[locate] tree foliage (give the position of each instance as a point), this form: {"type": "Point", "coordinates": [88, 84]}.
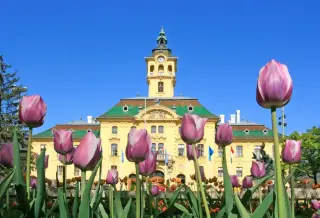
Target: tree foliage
{"type": "Point", "coordinates": [11, 93]}
{"type": "Point", "coordinates": [310, 161]}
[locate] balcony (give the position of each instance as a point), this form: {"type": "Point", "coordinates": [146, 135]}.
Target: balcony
{"type": "Point", "coordinates": [162, 157]}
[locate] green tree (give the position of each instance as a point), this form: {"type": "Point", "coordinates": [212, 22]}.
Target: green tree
{"type": "Point", "coordinates": [310, 160]}
{"type": "Point", "coordinates": [11, 93]}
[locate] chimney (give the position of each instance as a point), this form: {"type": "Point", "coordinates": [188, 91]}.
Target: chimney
{"type": "Point", "coordinates": [238, 116]}
{"type": "Point", "coordinates": [90, 119]}
{"type": "Point", "coordinates": [232, 118]}
{"type": "Point", "coordinates": [221, 118]}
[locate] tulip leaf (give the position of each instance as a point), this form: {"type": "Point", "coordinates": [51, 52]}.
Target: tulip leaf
{"type": "Point", "coordinates": [241, 209]}
{"type": "Point", "coordinates": [264, 206]}
{"type": "Point", "coordinates": [193, 201]}
{"type": "Point", "coordinates": [248, 194]}
{"type": "Point", "coordinates": [53, 208]}
{"type": "Point", "coordinates": [85, 209]}
{"type": "Point", "coordinates": [63, 208]}
{"type": "Point", "coordinates": [96, 193]}
{"type": "Point", "coordinates": [40, 184]}
{"type": "Point", "coordinates": [186, 215]}
{"type": "Point", "coordinates": [170, 207]}
{"type": "Point", "coordinates": [182, 209]}
{"type": "Point", "coordinates": [18, 180]}
{"type": "Point", "coordinates": [126, 209]}
{"type": "Point", "coordinates": [103, 211]}
{"type": "Point", "coordinates": [221, 213]}
{"type": "Point", "coordinates": [75, 202]}
{"type": "Point", "coordinates": [117, 204]}
{"type": "Point", "coordinates": [228, 190]}
{"type": "Point", "coordinates": [5, 184]}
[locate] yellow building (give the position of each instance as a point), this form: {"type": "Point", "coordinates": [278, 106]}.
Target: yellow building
{"type": "Point", "coordinates": [160, 113]}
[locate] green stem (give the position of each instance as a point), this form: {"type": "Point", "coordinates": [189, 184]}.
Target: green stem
{"type": "Point", "coordinates": [111, 201]}
{"type": "Point", "coordinates": [64, 174]}
{"type": "Point", "coordinates": [250, 205]}
{"type": "Point", "coordinates": [83, 182]}
{"type": "Point", "coordinates": [260, 196]}
{"type": "Point", "coordinates": [8, 202]}
{"type": "Point", "coordinates": [138, 192]}
{"type": "Point", "coordinates": [198, 193]}
{"type": "Point", "coordinates": [28, 173]}
{"type": "Point", "coordinates": [142, 197]}
{"type": "Point", "coordinates": [200, 184]}
{"type": "Point", "coordinates": [278, 176]}
{"type": "Point", "coordinates": [292, 191]}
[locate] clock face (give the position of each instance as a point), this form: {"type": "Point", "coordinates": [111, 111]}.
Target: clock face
{"type": "Point", "coordinates": [160, 59]}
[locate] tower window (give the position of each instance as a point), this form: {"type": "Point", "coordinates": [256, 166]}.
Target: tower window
{"type": "Point", "coordinates": [170, 68]}
{"type": "Point", "coordinates": [160, 68]}
{"type": "Point", "coordinates": [190, 108]}
{"type": "Point", "coordinates": [151, 68]}
{"type": "Point", "coordinates": [160, 86]}
{"type": "Point", "coordinates": [125, 108]}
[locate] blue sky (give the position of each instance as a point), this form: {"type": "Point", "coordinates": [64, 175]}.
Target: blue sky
{"type": "Point", "coordinates": [83, 56]}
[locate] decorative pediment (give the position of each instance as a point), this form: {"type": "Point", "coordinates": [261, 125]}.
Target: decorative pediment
{"type": "Point", "coordinates": [157, 112]}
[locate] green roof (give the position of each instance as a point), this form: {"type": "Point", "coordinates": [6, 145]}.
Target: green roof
{"type": "Point", "coordinates": [251, 133]}
{"type": "Point", "coordinates": [77, 134]}
{"type": "Point", "coordinates": [117, 111]}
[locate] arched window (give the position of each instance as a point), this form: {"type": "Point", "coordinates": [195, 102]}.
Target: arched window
{"type": "Point", "coordinates": [114, 130]}
{"type": "Point", "coordinates": [160, 129]}
{"type": "Point", "coordinates": [160, 86]}
{"type": "Point", "coordinates": [170, 68]}
{"type": "Point", "coordinates": [160, 68]}
{"type": "Point", "coordinates": [114, 150]}
{"type": "Point", "coordinates": [153, 129]}
{"type": "Point", "coordinates": [160, 148]}
{"type": "Point", "coordinates": [133, 127]}
{"type": "Point", "coordinates": [151, 68]}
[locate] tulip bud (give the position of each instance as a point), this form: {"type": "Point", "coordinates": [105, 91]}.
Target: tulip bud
{"type": "Point", "coordinates": [88, 152]}
{"type": "Point", "coordinates": [258, 169]}
{"type": "Point", "coordinates": [63, 142]}
{"type": "Point", "coordinates": [112, 177]}
{"type": "Point", "coordinates": [33, 183]}
{"type": "Point", "coordinates": [223, 135]}
{"type": "Point", "coordinates": [148, 167]}
{"type": "Point", "coordinates": [192, 128]}
{"type": "Point", "coordinates": [190, 152]}
{"type": "Point", "coordinates": [203, 177]}
{"type": "Point", "coordinates": [291, 153]}
{"type": "Point", "coordinates": [247, 182]}
{"type": "Point", "coordinates": [6, 155]}
{"type": "Point", "coordinates": [46, 160]}
{"type": "Point", "coordinates": [274, 88]}
{"type": "Point", "coordinates": [234, 181]}
{"type": "Point", "coordinates": [155, 190]}
{"type": "Point", "coordinates": [139, 144]}
{"type": "Point", "coordinates": [32, 111]}
{"type": "Point", "coordinates": [68, 158]}
{"type": "Point", "coordinates": [315, 204]}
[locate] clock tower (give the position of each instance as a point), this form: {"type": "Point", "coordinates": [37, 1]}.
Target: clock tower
{"type": "Point", "coordinates": [161, 69]}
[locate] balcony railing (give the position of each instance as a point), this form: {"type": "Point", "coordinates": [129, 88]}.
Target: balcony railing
{"type": "Point", "coordinates": [162, 157]}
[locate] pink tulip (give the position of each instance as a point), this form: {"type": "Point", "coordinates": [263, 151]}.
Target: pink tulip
{"type": "Point", "coordinates": [139, 144]}
{"type": "Point", "coordinates": [88, 153]}
{"type": "Point", "coordinates": [247, 182]}
{"type": "Point", "coordinates": [46, 160]}
{"type": "Point", "coordinates": [112, 177]}
{"type": "Point", "coordinates": [192, 128]}
{"type": "Point", "coordinates": [155, 190]}
{"type": "Point", "coordinates": [258, 169]}
{"type": "Point", "coordinates": [190, 152]}
{"type": "Point", "coordinates": [32, 111]}
{"type": "Point", "coordinates": [203, 177]}
{"type": "Point", "coordinates": [33, 183]}
{"type": "Point", "coordinates": [234, 181]}
{"type": "Point", "coordinates": [274, 88]}
{"type": "Point", "coordinates": [315, 204]}
{"type": "Point", "coordinates": [223, 135]}
{"type": "Point", "coordinates": [291, 153]}
{"type": "Point", "coordinates": [68, 157]}
{"type": "Point", "coordinates": [6, 155]}
{"type": "Point", "coordinates": [63, 142]}
{"type": "Point", "coordinates": [148, 167]}
{"type": "Point", "coordinates": [315, 215]}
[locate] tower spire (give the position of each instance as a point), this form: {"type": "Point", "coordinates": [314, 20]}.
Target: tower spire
{"type": "Point", "coordinates": [162, 39]}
